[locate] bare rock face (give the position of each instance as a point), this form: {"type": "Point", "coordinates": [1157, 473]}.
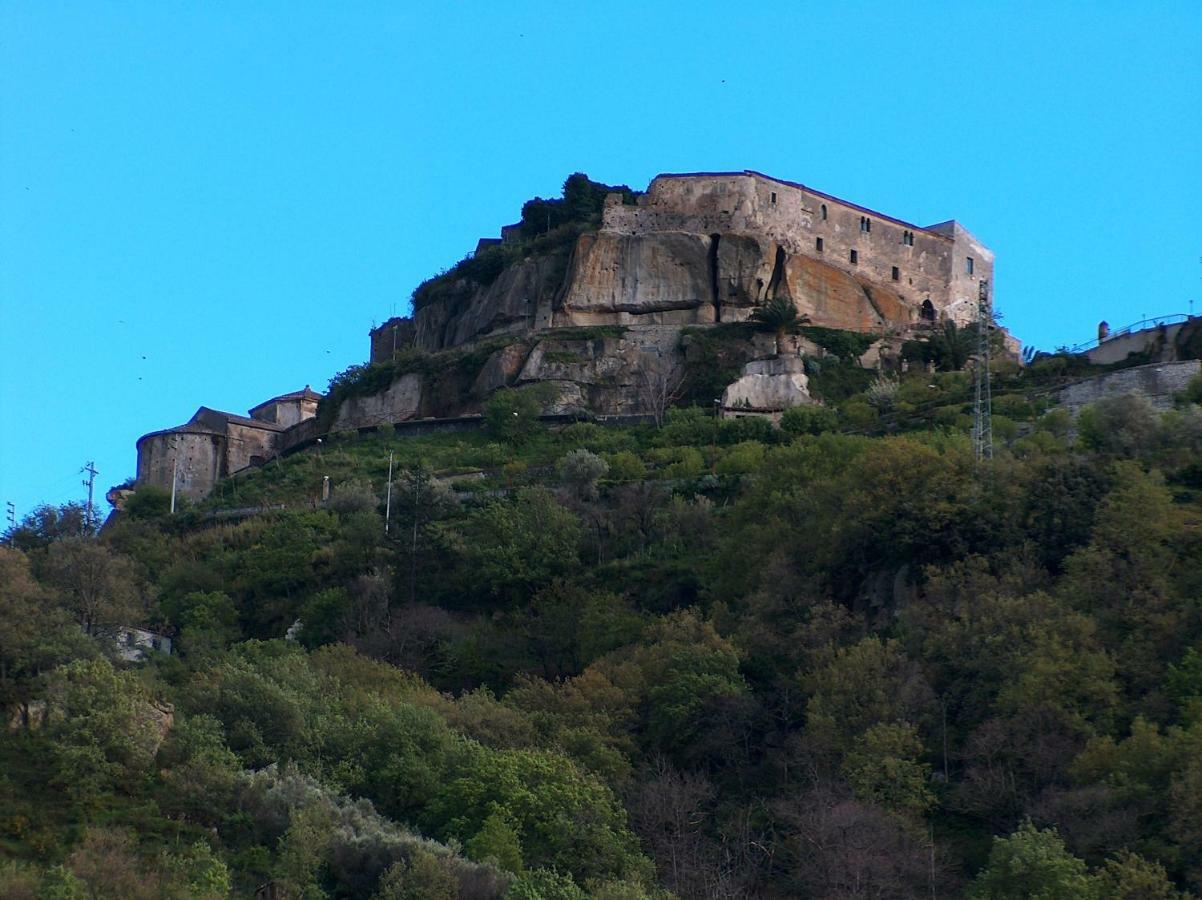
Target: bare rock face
{"type": "Point", "coordinates": [768, 386]}
{"type": "Point", "coordinates": [621, 278]}
{"type": "Point", "coordinates": [513, 303]}
{"type": "Point", "coordinates": [399, 402]}
{"type": "Point", "coordinates": [502, 367]}
{"type": "Point", "coordinates": [744, 269]}
{"type": "Point", "coordinates": [834, 299]}
{"type": "Point", "coordinates": [662, 278]}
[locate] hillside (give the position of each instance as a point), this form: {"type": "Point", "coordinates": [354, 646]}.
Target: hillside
{"type": "Point", "coordinates": [708, 659]}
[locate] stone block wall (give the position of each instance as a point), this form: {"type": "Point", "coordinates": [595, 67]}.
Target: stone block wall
{"type": "Point", "coordinates": [1158, 382]}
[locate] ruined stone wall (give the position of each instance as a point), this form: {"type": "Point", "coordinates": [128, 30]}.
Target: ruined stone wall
{"type": "Point", "coordinates": [394, 335]}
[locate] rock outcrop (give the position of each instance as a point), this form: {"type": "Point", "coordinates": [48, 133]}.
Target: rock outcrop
{"type": "Point", "coordinates": [768, 386]}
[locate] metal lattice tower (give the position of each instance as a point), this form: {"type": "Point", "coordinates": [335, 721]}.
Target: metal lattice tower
{"type": "Point", "coordinates": [982, 428]}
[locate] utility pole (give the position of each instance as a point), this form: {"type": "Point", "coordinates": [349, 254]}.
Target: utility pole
{"type": "Point", "coordinates": [388, 495]}
{"type": "Point", "coordinates": [11, 512]}
{"type": "Point", "coordinates": [90, 468]}
{"type": "Point", "coordinates": [982, 428]}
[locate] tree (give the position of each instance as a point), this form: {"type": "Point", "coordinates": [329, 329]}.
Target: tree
{"type": "Point", "coordinates": [779, 316]}
{"type": "Point", "coordinates": [497, 841]}
{"type": "Point", "coordinates": [511, 414]}
{"type": "Point", "coordinates": [1120, 426]}
{"type": "Point", "coordinates": [801, 420]}
{"type": "Point", "coordinates": [96, 586]}
{"type": "Point", "coordinates": [883, 767]}
{"type": "Point", "coordinates": [421, 877]}
{"type": "Point", "coordinates": [47, 524]}
{"type": "Point", "coordinates": [420, 501]}
{"type": "Point", "coordinates": [660, 383]}
{"type": "Point", "coordinates": [35, 634]}
{"type": "Point", "coordinates": [103, 727]}
{"type": "Point", "coordinates": [1033, 864]}
{"type": "Point", "coordinates": [563, 818]}
{"type": "Point", "coordinates": [523, 543]}
{"type": "Point", "coordinates": [580, 470]}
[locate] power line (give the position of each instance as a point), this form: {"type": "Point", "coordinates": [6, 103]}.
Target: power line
{"type": "Point", "coordinates": [90, 468]}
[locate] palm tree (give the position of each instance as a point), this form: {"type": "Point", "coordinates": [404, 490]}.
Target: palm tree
{"type": "Point", "coordinates": [779, 315]}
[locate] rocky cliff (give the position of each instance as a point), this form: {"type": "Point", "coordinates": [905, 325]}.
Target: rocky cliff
{"type": "Point", "coordinates": [674, 278]}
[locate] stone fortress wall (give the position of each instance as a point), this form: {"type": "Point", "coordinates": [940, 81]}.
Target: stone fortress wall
{"type": "Point", "coordinates": [920, 264]}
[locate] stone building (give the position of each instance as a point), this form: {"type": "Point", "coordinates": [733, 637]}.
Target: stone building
{"type": "Point", "coordinates": [213, 444]}
{"type": "Point", "coordinates": [710, 247]}
{"type": "Point", "coordinates": [935, 270]}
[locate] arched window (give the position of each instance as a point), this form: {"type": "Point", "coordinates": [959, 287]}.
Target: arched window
{"type": "Point", "coordinates": [823, 212]}
{"type": "Point", "coordinates": [927, 313]}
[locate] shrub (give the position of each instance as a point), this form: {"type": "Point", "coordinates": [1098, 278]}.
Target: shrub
{"type": "Point", "coordinates": [353, 496]}
{"type": "Point", "coordinates": [580, 470]}
{"type": "Point", "coordinates": [689, 426]}
{"type": "Point", "coordinates": [808, 420]}
{"type": "Point", "coordinates": [511, 415]}
{"type": "Point", "coordinates": [1123, 426]}
{"type": "Point", "coordinates": [1193, 390]}
{"type": "Point", "coordinates": [626, 466]}
{"type": "Point", "coordinates": [858, 414]}
{"type": "Point", "coordinates": [882, 394]}
{"type": "Point", "coordinates": [1057, 422]}
{"type": "Point", "coordinates": [746, 428]}
{"type": "Point", "coordinates": [742, 459]}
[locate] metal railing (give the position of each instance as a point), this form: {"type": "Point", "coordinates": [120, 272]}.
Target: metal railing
{"type": "Point", "coordinates": [1141, 325]}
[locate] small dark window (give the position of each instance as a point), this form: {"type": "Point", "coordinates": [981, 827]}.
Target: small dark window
{"type": "Point", "coordinates": [818, 245]}
{"type": "Point", "coordinates": [854, 257]}
{"type": "Point", "coordinates": [908, 238]}
{"type": "Point", "coordinates": [865, 224]}
{"type": "Point", "coordinates": [896, 274]}
{"type": "Point", "coordinates": [968, 265]}
{"type": "Point", "coordinates": [823, 212]}
{"type": "Point", "coordinates": [773, 198]}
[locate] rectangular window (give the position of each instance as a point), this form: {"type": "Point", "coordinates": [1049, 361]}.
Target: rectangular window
{"type": "Point", "coordinates": [773, 198]}
{"type": "Point", "coordinates": [896, 274]}
{"type": "Point", "coordinates": [818, 245]}
{"type": "Point", "coordinates": [968, 265]}
{"type": "Point", "coordinates": [854, 257]}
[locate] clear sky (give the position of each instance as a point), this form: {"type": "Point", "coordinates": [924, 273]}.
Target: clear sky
{"type": "Point", "coordinates": [211, 203]}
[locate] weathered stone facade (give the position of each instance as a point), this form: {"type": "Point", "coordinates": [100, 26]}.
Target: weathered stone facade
{"type": "Point", "coordinates": [194, 456]}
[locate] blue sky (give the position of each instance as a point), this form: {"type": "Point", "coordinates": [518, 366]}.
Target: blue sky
{"type": "Point", "coordinates": [213, 202]}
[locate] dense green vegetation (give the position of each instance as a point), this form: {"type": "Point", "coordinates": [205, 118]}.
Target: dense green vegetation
{"type": "Point", "coordinates": [838, 659]}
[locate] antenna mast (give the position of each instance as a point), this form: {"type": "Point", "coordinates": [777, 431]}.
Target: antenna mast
{"type": "Point", "coordinates": [982, 429]}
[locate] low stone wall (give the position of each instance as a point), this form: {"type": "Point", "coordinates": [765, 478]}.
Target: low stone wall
{"type": "Point", "coordinates": [1158, 382]}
